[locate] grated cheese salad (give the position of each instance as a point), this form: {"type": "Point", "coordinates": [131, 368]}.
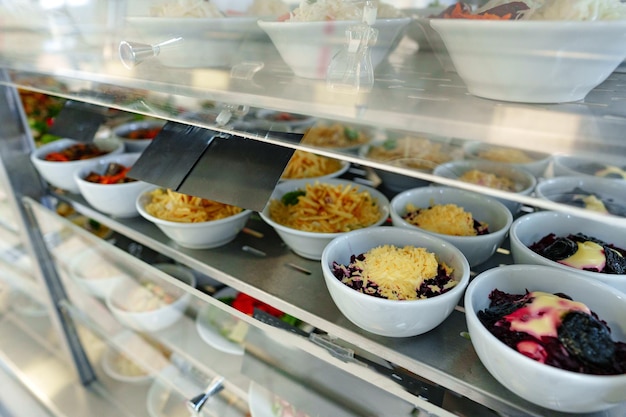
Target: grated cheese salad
{"type": "Point", "coordinates": [396, 273]}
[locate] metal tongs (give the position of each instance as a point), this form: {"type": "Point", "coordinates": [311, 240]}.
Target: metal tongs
{"type": "Point", "coordinates": [351, 68]}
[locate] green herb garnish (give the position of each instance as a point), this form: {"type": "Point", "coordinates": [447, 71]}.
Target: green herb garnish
{"type": "Point", "coordinates": [390, 144]}
{"type": "Point", "coordinates": [291, 198]}
{"type": "Point", "coordinates": [350, 134]}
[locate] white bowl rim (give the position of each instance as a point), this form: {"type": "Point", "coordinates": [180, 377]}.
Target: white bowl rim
{"type": "Point", "coordinates": [112, 304]}
{"type": "Point", "coordinates": [487, 200]}
{"type": "Point", "coordinates": [525, 25]}
{"type": "Point", "coordinates": [385, 208]}
{"type": "Point", "coordinates": [536, 156]}
{"type": "Point", "coordinates": [264, 22]}
{"type": "Point", "coordinates": [469, 310]}
{"type": "Point", "coordinates": [140, 124]}
{"type": "Point", "coordinates": [477, 163]}
{"type": "Point", "coordinates": [145, 194]}
{"type": "Point", "coordinates": [40, 153]}
{"type": "Point", "coordinates": [519, 222]}
{"type": "Point", "coordinates": [345, 166]}
{"type": "Point", "coordinates": [79, 175]}
{"type": "Point", "coordinates": [459, 287]}
{"type": "Point", "coordinates": [591, 180]}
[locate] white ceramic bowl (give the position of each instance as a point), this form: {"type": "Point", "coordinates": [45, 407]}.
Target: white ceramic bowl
{"type": "Point", "coordinates": [563, 190]}
{"type": "Point", "coordinates": [343, 168]}
{"type": "Point", "coordinates": [201, 42]}
{"type": "Point", "coordinates": [309, 244]}
{"type": "Point", "coordinates": [411, 152]}
{"type": "Point", "coordinates": [123, 132]}
{"type": "Point", "coordinates": [95, 273]}
{"type": "Point", "coordinates": [537, 166]}
{"type": "Point", "coordinates": [203, 235]}
{"type": "Point", "coordinates": [533, 61]}
{"type": "Point", "coordinates": [61, 174]}
{"type": "Point", "coordinates": [129, 300]}
{"type": "Point", "coordinates": [132, 359]}
{"type": "Point", "coordinates": [598, 167]}
{"type": "Point", "coordinates": [385, 317]}
{"type": "Point", "coordinates": [308, 47]}
{"type": "Point", "coordinates": [524, 181]}
{"type": "Point", "coordinates": [477, 249]}
{"type": "Point", "coordinates": [545, 385]}
{"type": "Point", "coordinates": [114, 199]}
{"type": "Point", "coordinates": [532, 227]}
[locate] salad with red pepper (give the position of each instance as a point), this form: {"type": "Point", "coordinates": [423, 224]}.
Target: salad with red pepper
{"type": "Point", "coordinates": [247, 304]}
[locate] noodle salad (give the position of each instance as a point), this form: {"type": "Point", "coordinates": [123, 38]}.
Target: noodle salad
{"type": "Point", "coordinates": [326, 208]}
{"type": "Point", "coordinates": [176, 207]}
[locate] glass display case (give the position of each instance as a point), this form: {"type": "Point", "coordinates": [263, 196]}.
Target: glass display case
{"type": "Point", "coordinates": [143, 324]}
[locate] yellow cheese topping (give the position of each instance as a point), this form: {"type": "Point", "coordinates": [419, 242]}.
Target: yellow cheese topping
{"type": "Point", "coordinates": [593, 203]}
{"type": "Point", "coordinates": [398, 272]}
{"type": "Point", "coordinates": [447, 219]}
{"type": "Point", "coordinates": [543, 315]}
{"type": "Point", "coordinates": [588, 255]}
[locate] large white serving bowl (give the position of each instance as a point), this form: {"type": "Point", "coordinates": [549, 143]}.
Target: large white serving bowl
{"type": "Point", "coordinates": [393, 318]}
{"type": "Point", "coordinates": [537, 165]}
{"type": "Point", "coordinates": [61, 174]}
{"type": "Point", "coordinates": [524, 181]}
{"type": "Point", "coordinates": [128, 300]}
{"type": "Point", "coordinates": [196, 42]}
{"type": "Point", "coordinates": [532, 227]}
{"type": "Point", "coordinates": [539, 383]}
{"type": "Point", "coordinates": [533, 61]}
{"type": "Point", "coordinates": [477, 249]}
{"type": "Point", "coordinates": [606, 166]}
{"type": "Point", "coordinates": [118, 200]}
{"type": "Point", "coordinates": [202, 235]}
{"type": "Point", "coordinates": [310, 245]}
{"type": "Point", "coordinates": [308, 47]}
{"type": "Point", "coordinates": [95, 273]}
{"type": "Point", "coordinates": [124, 131]}
{"type": "Point", "coordinates": [563, 190]}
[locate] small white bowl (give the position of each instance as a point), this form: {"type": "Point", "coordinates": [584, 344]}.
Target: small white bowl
{"type": "Point", "coordinates": [393, 318]}
{"type": "Point", "coordinates": [598, 167]}
{"type": "Point", "coordinates": [542, 384]}
{"type": "Point", "coordinates": [309, 244]}
{"type": "Point", "coordinates": [132, 359]}
{"type": "Point", "coordinates": [123, 132]}
{"type": "Point", "coordinates": [532, 227]}
{"type": "Point", "coordinates": [563, 190]}
{"type": "Point", "coordinates": [117, 200]}
{"type": "Point", "coordinates": [125, 298]}
{"type": "Point", "coordinates": [537, 166]}
{"type": "Point", "coordinates": [95, 273]}
{"type": "Point", "coordinates": [202, 235]}
{"type": "Point", "coordinates": [308, 47]}
{"type": "Point", "coordinates": [61, 174]}
{"type": "Point", "coordinates": [422, 154]}
{"type": "Point", "coordinates": [524, 181]}
{"type": "Point", "coordinates": [477, 249]}
{"type": "Point", "coordinates": [343, 168]}
{"type": "Point", "coordinates": [533, 61]}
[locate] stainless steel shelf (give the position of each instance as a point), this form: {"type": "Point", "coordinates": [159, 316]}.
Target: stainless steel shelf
{"type": "Point", "coordinates": [443, 356]}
